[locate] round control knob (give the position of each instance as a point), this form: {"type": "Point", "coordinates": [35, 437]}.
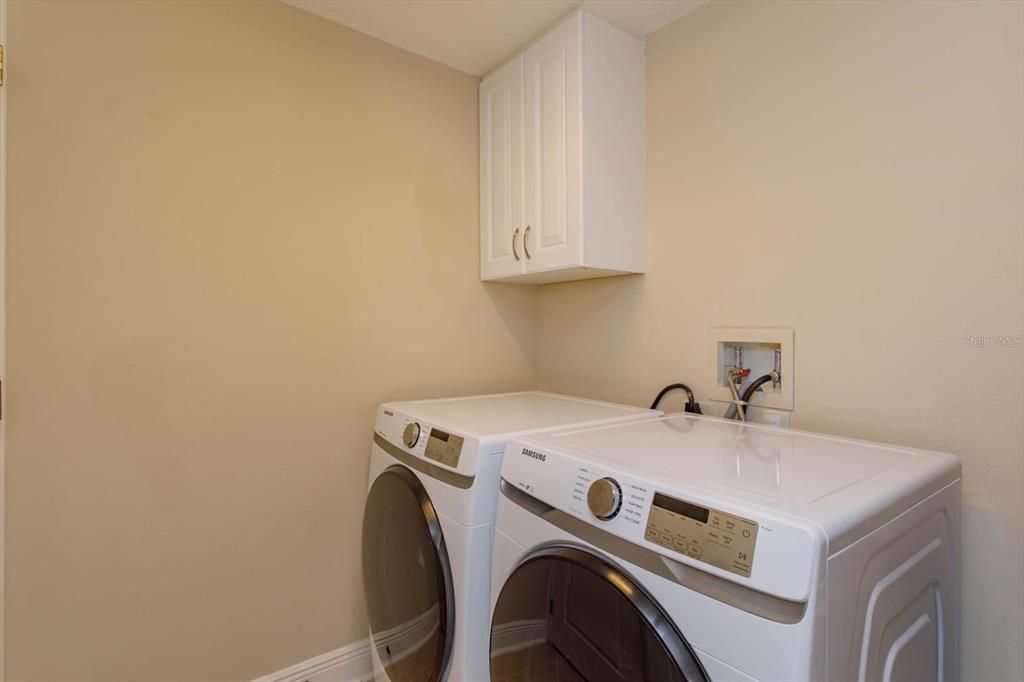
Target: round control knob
{"type": "Point", "coordinates": [604, 498]}
{"type": "Point", "coordinates": [411, 435]}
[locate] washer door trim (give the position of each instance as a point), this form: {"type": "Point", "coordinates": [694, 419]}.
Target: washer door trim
{"type": "Point", "coordinates": [682, 654]}
{"type": "Point", "coordinates": [445, 585]}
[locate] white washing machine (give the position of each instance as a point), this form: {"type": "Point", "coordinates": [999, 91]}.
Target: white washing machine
{"type": "Point", "coordinates": [427, 528]}
{"type": "Point", "coordinates": [693, 548]}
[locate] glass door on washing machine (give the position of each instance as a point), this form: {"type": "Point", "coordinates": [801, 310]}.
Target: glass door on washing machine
{"type": "Point", "coordinates": [407, 579]}
{"type": "Point", "coordinates": [567, 614]}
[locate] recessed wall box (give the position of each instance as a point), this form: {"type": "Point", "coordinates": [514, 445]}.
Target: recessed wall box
{"type": "Point", "coordinates": [758, 347]}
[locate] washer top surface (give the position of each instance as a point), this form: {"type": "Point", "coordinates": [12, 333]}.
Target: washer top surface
{"type": "Point", "coordinates": [505, 414]}
{"type": "Point", "coordinates": [833, 482]}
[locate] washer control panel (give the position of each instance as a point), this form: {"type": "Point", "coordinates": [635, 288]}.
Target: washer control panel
{"type": "Point", "coordinates": [604, 498]}
{"type": "Point", "coordinates": [444, 447]}
{"type": "Point", "coordinates": [714, 531]}
{"type": "Point", "coordinates": [708, 535]}
{"type": "Point", "coordinates": [629, 500]}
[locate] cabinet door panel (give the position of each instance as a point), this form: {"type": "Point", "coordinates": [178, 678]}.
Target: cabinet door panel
{"type": "Point", "coordinates": [552, 101]}
{"type": "Point", "coordinates": [501, 172]}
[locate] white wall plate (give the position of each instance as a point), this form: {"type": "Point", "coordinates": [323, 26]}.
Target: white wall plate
{"type": "Point", "coordinates": [758, 346]}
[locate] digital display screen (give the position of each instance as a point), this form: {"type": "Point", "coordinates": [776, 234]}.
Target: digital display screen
{"type": "Point", "coordinates": [690, 511]}
{"type": "Point", "coordinates": [444, 447]}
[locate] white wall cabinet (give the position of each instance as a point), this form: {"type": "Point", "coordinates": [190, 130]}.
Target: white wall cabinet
{"type": "Point", "coordinates": [562, 157]}
{"type": "Point", "coordinates": [501, 171]}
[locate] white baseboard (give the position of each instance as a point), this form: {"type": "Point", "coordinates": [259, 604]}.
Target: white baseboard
{"type": "Point", "coordinates": [405, 638]}
{"type": "Point", "coordinates": [351, 663]}
{"type": "Point", "coordinates": [354, 663]}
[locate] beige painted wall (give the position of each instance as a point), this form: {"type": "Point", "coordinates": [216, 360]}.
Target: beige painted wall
{"type": "Point", "coordinates": [218, 219]}
{"type": "Point", "coordinates": [853, 171]}
{"type": "Point", "coordinates": [233, 229]}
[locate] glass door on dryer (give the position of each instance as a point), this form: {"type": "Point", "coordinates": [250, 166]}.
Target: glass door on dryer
{"type": "Point", "coordinates": [407, 579]}
{"type": "Point", "coordinates": [567, 614]}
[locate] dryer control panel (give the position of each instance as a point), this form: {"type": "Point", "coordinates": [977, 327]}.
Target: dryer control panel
{"type": "Point", "coordinates": [437, 444]}
{"type": "Point", "coordinates": [444, 447]}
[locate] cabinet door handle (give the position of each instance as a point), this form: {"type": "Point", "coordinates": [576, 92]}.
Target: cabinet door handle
{"type": "Point", "coordinates": [526, 247]}
{"type": "Point", "coordinates": [514, 252]}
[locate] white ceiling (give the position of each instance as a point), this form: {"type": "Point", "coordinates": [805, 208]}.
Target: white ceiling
{"type": "Point", "coordinates": [476, 35]}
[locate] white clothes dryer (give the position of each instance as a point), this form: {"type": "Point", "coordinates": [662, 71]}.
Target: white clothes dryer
{"type": "Point", "coordinates": [427, 527]}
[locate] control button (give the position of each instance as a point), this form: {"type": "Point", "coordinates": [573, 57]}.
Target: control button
{"type": "Point", "coordinates": [604, 498]}
{"type": "Point", "coordinates": [411, 435]}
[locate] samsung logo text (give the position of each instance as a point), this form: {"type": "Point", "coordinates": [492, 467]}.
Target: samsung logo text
{"type": "Point", "coordinates": [540, 456]}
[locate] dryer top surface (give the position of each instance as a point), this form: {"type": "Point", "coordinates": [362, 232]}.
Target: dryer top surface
{"type": "Point", "coordinates": [505, 414]}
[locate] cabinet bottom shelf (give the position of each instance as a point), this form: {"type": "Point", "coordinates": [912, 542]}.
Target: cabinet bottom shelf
{"type": "Point", "coordinates": [570, 274]}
